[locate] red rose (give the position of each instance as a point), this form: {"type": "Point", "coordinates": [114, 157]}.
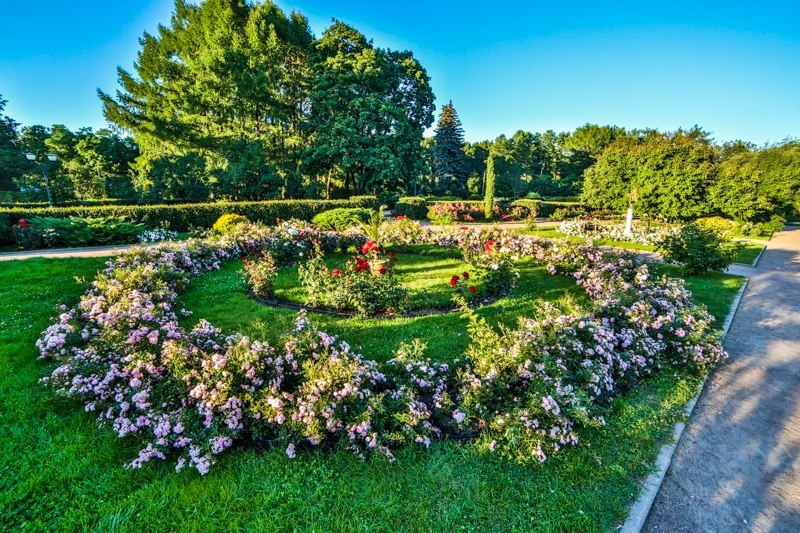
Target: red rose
{"type": "Point", "coordinates": [472, 288]}
{"type": "Point", "coordinates": [336, 272]}
{"type": "Point", "coordinates": [382, 270]}
{"type": "Point", "coordinates": [453, 281]}
{"type": "Point", "coordinates": [463, 228]}
{"type": "Point", "coordinates": [465, 275]}
{"type": "Point", "coordinates": [400, 217]}
{"type": "Point", "coordinates": [23, 223]}
{"type": "Point", "coordinates": [489, 246]}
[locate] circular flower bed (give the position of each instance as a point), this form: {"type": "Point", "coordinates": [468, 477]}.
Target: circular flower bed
{"type": "Point", "coordinates": [188, 395]}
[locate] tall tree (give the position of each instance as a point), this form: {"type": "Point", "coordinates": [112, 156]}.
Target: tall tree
{"type": "Point", "coordinates": [369, 108]}
{"type": "Point", "coordinates": [12, 160]}
{"type": "Point", "coordinates": [222, 73]}
{"type": "Point", "coordinates": [449, 162]}
{"type": "Point", "coordinates": [488, 196]}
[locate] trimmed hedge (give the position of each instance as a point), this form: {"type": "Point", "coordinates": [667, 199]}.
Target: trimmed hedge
{"type": "Point", "coordinates": [545, 208]}
{"type": "Point", "coordinates": [182, 217]}
{"type": "Point", "coordinates": [412, 207]}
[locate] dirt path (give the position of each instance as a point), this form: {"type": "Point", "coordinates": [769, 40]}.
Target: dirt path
{"type": "Point", "coordinates": [737, 466]}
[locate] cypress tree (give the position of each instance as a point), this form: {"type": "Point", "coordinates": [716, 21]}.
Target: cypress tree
{"type": "Point", "coordinates": [488, 200]}
{"type": "Point", "coordinates": [449, 161]}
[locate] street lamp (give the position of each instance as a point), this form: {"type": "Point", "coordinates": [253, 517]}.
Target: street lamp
{"type": "Point", "coordinates": [43, 167]}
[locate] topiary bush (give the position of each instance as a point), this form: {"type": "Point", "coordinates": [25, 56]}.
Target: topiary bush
{"type": "Point", "coordinates": [226, 224]}
{"type": "Point", "coordinates": [699, 249]}
{"type": "Point", "coordinates": [340, 218]}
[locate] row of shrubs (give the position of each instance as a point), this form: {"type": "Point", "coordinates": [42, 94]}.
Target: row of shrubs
{"type": "Point", "coordinates": [418, 207]}
{"type": "Point", "coordinates": [184, 217]}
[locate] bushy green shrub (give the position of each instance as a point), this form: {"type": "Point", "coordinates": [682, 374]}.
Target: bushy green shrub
{"type": "Point", "coordinates": [49, 232]}
{"type": "Point", "coordinates": [699, 249]}
{"type": "Point", "coordinates": [184, 217]}
{"type": "Point", "coordinates": [414, 207]}
{"type": "Point", "coordinates": [340, 218]}
{"type": "Point", "coordinates": [260, 273]}
{"type": "Point", "coordinates": [227, 223]}
{"type": "Point", "coordinates": [546, 208]}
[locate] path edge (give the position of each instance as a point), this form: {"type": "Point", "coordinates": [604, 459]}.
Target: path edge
{"type": "Point", "coordinates": [638, 514]}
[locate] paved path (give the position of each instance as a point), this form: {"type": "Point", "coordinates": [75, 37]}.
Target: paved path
{"type": "Point", "coordinates": [92, 251]}
{"type": "Point", "coordinates": [737, 466]}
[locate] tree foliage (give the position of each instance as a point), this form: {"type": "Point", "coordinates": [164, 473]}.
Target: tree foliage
{"type": "Point", "coordinates": [448, 161]}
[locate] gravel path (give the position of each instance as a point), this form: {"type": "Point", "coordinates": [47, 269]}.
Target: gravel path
{"type": "Point", "coordinates": [92, 251]}
{"type": "Point", "coordinates": [737, 466]}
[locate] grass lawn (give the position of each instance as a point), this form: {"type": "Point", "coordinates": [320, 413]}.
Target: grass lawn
{"type": "Point", "coordinates": [61, 472]}
{"type": "Point", "coordinates": [748, 252]}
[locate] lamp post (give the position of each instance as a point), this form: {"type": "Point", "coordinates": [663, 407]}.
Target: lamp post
{"type": "Point", "coordinates": [43, 167]}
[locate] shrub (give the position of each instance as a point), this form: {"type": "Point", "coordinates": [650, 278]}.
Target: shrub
{"type": "Point", "coordinates": [411, 206]}
{"type": "Point", "coordinates": [259, 273]}
{"type": "Point", "coordinates": [445, 213]}
{"type": "Point", "coordinates": [157, 235]}
{"type": "Point", "coordinates": [495, 269]}
{"type": "Point", "coordinates": [226, 224]}
{"type": "Point", "coordinates": [698, 249]}
{"type": "Point", "coordinates": [366, 284]}
{"type": "Point", "coordinates": [184, 217]}
{"type": "Point", "coordinates": [340, 218]}
{"type": "Point", "coordinates": [48, 232]}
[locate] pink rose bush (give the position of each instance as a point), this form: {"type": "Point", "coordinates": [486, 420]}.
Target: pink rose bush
{"type": "Point", "coordinates": [188, 395]}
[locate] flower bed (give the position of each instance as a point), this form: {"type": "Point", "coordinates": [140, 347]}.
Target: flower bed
{"type": "Point", "coordinates": [188, 395]}
{"type": "Point", "coordinates": [591, 229]}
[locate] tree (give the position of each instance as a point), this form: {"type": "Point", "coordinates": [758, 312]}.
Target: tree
{"type": "Point", "coordinates": [488, 198]}
{"type": "Point", "coordinates": [12, 160]}
{"type": "Point", "coordinates": [181, 178]}
{"type": "Point", "coordinates": [223, 72]}
{"type": "Point", "coordinates": [663, 174]}
{"type": "Point", "coordinates": [369, 108]}
{"type": "Point", "coordinates": [449, 162]}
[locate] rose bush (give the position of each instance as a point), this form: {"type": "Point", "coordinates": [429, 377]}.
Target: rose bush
{"type": "Point", "coordinates": [187, 395]}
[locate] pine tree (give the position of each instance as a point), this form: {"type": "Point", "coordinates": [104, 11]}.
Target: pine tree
{"type": "Point", "coordinates": [488, 200]}
{"type": "Point", "coordinates": [449, 162]}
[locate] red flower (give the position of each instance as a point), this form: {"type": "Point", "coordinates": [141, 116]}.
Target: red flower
{"type": "Point", "coordinates": [261, 255]}
{"type": "Point", "coordinates": [472, 288]}
{"type": "Point", "coordinates": [382, 270]}
{"type": "Point", "coordinates": [244, 259]}
{"type": "Point", "coordinates": [453, 281]}
{"type": "Point", "coordinates": [336, 272]}
{"type": "Point", "coordinates": [370, 246]}
{"type": "Point", "coordinates": [463, 228]}
{"type": "Point", "coordinates": [465, 275]}
{"type": "Point", "coordinates": [23, 223]}
{"type": "Point", "coordinates": [489, 246]}
{"type": "Point", "coordinates": [400, 217]}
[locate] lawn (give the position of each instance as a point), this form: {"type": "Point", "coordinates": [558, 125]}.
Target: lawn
{"type": "Point", "coordinates": [61, 472]}
{"type": "Point", "coordinates": [746, 255]}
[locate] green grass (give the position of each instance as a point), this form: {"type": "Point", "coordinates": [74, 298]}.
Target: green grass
{"type": "Point", "coordinates": [58, 471]}
{"type": "Point", "coordinates": [748, 252]}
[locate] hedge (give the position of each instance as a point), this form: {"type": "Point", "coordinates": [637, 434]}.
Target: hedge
{"type": "Point", "coordinates": [182, 217]}
{"type": "Point", "coordinates": [545, 208]}
{"type": "Point", "coordinates": [412, 207]}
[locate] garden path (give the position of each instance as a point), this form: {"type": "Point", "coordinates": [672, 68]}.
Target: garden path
{"type": "Point", "coordinates": [90, 251]}
{"type": "Point", "coordinates": [737, 466]}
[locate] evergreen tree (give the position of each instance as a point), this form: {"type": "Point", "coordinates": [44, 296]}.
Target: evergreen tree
{"type": "Point", "coordinates": [449, 161]}
{"type": "Point", "coordinates": [488, 200]}
{"type": "Point", "coordinates": [12, 160]}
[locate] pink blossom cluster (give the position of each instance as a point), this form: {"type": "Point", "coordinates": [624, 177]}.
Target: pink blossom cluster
{"type": "Point", "coordinates": [190, 394]}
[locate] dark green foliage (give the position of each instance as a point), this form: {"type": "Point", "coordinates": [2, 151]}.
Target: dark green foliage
{"type": "Point", "coordinates": [659, 174]}
{"type": "Point", "coordinates": [12, 161]}
{"type": "Point", "coordinates": [488, 195]}
{"type": "Point", "coordinates": [340, 218]}
{"type": "Point", "coordinates": [448, 160]}
{"type": "Point", "coordinates": [49, 232]}
{"type": "Point", "coordinates": [699, 249]}
{"type": "Point", "coordinates": [182, 178]}
{"type": "Point", "coordinates": [183, 217]}
{"type": "Point", "coordinates": [411, 206]}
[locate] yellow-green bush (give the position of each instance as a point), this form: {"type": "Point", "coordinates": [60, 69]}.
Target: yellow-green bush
{"type": "Point", "coordinates": [227, 223]}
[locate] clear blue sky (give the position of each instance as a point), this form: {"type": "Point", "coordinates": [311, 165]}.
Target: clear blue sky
{"type": "Point", "coordinates": [732, 68]}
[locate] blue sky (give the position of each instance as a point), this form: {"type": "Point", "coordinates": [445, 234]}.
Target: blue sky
{"type": "Point", "coordinates": [732, 68]}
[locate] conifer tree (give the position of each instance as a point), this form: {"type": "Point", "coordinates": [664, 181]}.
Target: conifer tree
{"type": "Point", "coordinates": [449, 162]}
{"type": "Point", "coordinates": [488, 200]}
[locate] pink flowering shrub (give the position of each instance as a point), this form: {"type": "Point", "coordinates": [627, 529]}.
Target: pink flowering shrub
{"type": "Point", "coordinates": [259, 273]}
{"type": "Point", "coordinates": [189, 395]}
